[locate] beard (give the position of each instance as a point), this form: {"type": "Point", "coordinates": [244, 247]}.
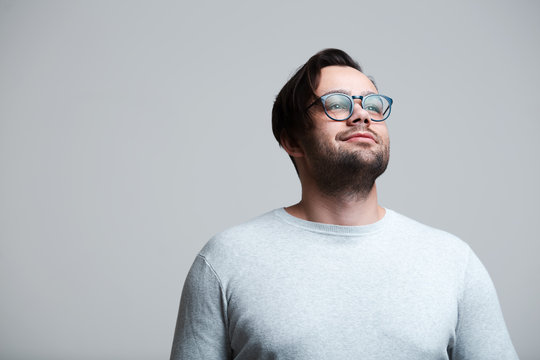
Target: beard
{"type": "Point", "coordinates": [350, 170]}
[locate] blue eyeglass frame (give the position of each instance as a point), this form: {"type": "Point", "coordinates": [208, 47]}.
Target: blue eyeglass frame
{"type": "Point", "coordinates": [352, 98]}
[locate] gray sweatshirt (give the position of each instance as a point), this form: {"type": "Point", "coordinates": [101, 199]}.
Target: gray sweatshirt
{"type": "Point", "coordinates": [278, 287]}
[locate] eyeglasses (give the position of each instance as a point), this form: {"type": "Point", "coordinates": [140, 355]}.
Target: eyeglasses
{"type": "Point", "coordinates": [339, 107]}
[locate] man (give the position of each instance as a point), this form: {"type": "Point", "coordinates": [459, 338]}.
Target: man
{"type": "Point", "coordinates": [337, 276]}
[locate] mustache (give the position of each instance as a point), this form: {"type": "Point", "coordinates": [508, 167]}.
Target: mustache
{"type": "Point", "coordinates": [345, 134]}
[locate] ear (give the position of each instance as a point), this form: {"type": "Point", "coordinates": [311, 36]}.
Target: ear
{"type": "Point", "coordinates": [291, 146]}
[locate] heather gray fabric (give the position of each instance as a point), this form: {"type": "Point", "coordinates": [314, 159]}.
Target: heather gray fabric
{"type": "Point", "coordinates": [279, 287]}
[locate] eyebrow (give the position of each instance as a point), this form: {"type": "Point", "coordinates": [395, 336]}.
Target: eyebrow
{"type": "Point", "coordinates": [347, 92]}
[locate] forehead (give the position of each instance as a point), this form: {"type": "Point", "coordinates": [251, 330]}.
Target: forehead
{"type": "Point", "coordinates": [344, 78]}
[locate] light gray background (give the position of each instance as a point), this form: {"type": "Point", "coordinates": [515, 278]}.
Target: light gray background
{"type": "Point", "coordinates": [132, 131]}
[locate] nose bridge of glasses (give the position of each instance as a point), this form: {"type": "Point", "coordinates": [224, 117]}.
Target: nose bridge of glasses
{"type": "Point", "coordinates": [357, 100]}
{"type": "Point", "coordinates": [358, 112]}
{"type": "Point", "coordinates": [357, 97]}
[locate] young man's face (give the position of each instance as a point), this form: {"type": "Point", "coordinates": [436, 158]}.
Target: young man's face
{"type": "Point", "coordinates": [337, 153]}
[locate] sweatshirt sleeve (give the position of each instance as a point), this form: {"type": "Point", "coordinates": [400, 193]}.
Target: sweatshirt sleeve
{"type": "Point", "coordinates": [201, 328]}
{"type": "Point", "coordinates": [481, 333]}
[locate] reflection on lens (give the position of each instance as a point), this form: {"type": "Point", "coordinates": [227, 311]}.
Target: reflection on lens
{"type": "Point", "coordinates": [338, 106]}
{"type": "Point", "coordinates": [377, 106]}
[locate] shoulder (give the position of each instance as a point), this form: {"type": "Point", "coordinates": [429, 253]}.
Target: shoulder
{"type": "Point", "coordinates": [242, 238]}
{"type": "Point", "coordinates": [427, 238]}
{"type": "Point", "coordinates": [409, 227]}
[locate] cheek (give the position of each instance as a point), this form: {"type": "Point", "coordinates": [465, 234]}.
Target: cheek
{"type": "Point", "coordinates": [328, 131]}
{"type": "Point", "coordinates": [381, 130]}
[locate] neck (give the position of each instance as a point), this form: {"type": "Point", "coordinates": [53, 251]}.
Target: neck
{"type": "Point", "coordinates": [339, 209]}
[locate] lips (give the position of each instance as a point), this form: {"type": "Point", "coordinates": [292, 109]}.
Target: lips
{"type": "Point", "coordinates": [361, 134]}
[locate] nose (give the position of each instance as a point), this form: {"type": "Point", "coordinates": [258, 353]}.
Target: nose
{"type": "Point", "coordinates": [359, 116]}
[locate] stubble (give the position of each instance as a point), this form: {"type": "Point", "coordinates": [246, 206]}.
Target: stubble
{"type": "Point", "coordinates": [346, 171]}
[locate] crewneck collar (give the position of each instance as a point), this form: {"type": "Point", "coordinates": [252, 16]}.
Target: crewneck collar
{"type": "Point", "coordinates": [332, 229]}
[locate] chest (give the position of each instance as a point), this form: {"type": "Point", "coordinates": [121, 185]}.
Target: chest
{"type": "Point", "coordinates": [326, 308]}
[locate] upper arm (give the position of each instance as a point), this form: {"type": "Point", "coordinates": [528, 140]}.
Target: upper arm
{"type": "Point", "coordinates": [201, 328]}
{"type": "Point", "coordinates": [481, 331]}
